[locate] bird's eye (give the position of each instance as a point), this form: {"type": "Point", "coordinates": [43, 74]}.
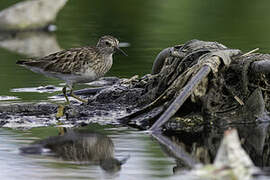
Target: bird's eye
{"type": "Point", "coordinates": [108, 43]}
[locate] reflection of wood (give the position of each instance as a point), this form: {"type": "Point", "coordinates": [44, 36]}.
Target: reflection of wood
{"type": "Point", "coordinates": [30, 14]}
{"type": "Point", "coordinates": [231, 161]}
{"type": "Point", "coordinates": [177, 152]}
{"type": "Point", "coordinates": [32, 44]}
{"type": "Point", "coordinates": [231, 156]}
{"type": "Point", "coordinates": [204, 146]}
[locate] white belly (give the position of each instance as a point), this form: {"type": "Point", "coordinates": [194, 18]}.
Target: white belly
{"type": "Point", "coordinates": [70, 79]}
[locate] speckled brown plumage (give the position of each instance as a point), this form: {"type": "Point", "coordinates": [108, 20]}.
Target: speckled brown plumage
{"type": "Point", "coordinates": [69, 61]}
{"type": "Point", "coordinates": [77, 61]}
{"type": "Point", "coordinates": [77, 65]}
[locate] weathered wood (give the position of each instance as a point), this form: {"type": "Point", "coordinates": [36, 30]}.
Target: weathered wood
{"type": "Point", "coordinates": [181, 98]}
{"type": "Point", "coordinates": [262, 66]}
{"type": "Point", "coordinates": [159, 61]}
{"type": "Point", "coordinates": [176, 151]}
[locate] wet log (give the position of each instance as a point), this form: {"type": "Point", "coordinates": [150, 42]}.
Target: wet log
{"type": "Point", "coordinates": [159, 61]}
{"type": "Point", "coordinates": [262, 66]}
{"type": "Point", "coordinates": [179, 101]}
{"type": "Point", "coordinates": [224, 83]}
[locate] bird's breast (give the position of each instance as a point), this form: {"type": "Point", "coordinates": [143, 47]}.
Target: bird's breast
{"type": "Point", "coordinates": [90, 74]}
{"type": "Point", "coordinates": [102, 66]}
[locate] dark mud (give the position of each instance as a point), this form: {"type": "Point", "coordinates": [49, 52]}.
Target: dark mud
{"type": "Point", "coordinates": [105, 105]}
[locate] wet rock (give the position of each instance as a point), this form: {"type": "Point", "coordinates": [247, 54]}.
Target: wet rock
{"type": "Point", "coordinates": [120, 94]}
{"type": "Point", "coordinates": [27, 115]}
{"type": "Point", "coordinates": [29, 109]}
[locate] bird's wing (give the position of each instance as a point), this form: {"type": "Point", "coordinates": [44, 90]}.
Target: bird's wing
{"type": "Point", "coordinates": [66, 61]}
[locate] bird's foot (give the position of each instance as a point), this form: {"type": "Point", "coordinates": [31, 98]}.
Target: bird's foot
{"type": "Point", "coordinates": [61, 130]}
{"type": "Point", "coordinates": [60, 111]}
{"type": "Point", "coordinates": [59, 114]}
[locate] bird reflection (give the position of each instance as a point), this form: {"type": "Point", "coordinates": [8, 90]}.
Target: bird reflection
{"type": "Point", "coordinates": [80, 146]}
{"type": "Point", "coordinates": [32, 43]}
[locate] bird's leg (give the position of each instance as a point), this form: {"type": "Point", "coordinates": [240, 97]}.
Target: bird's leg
{"type": "Point", "coordinates": [61, 131]}
{"type": "Point", "coordinates": [60, 111]}
{"type": "Point", "coordinates": [59, 114]}
{"type": "Point", "coordinates": [61, 108]}
{"type": "Point", "coordinates": [76, 97]}
{"type": "Point", "coordinates": [64, 90]}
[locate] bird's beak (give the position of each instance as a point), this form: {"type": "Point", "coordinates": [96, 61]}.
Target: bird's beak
{"type": "Point", "coordinates": [116, 47]}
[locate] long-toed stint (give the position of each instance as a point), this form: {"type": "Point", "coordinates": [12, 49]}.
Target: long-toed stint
{"type": "Point", "coordinates": [77, 65]}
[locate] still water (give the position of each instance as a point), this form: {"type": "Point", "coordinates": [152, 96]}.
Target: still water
{"type": "Point", "coordinates": [148, 27]}
{"type": "Point", "coordinates": [143, 154]}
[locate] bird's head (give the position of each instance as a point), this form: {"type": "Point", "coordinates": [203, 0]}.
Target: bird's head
{"type": "Point", "coordinates": [110, 44]}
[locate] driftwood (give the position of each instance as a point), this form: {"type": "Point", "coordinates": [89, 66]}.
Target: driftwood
{"type": "Point", "coordinates": [184, 71]}
{"type": "Point", "coordinates": [191, 85]}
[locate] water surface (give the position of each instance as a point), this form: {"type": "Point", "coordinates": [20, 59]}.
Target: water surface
{"type": "Point", "coordinates": [146, 158]}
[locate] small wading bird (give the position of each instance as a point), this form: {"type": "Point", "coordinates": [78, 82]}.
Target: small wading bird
{"type": "Point", "coordinates": [76, 65]}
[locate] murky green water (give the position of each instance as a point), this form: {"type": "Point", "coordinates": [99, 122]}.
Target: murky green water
{"type": "Point", "coordinates": [148, 26]}
{"type": "Point", "coordinates": [144, 154]}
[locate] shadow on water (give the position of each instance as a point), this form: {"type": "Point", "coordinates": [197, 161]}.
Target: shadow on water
{"type": "Point", "coordinates": [83, 147]}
